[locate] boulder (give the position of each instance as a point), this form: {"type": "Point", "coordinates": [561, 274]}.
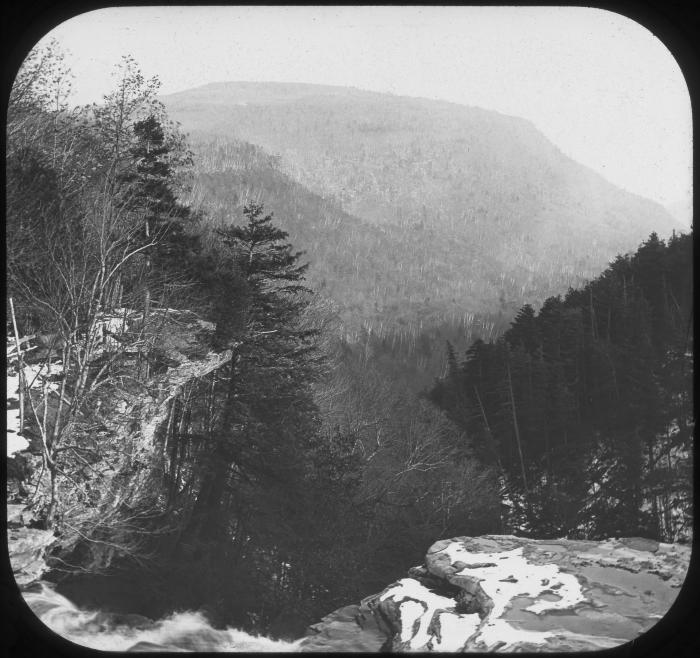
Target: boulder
{"type": "Point", "coordinates": [505, 593]}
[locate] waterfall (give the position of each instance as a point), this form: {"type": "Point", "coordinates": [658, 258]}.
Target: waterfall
{"type": "Point", "coordinates": [181, 631]}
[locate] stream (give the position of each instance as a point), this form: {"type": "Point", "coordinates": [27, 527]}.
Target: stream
{"type": "Point", "coordinates": [181, 631]}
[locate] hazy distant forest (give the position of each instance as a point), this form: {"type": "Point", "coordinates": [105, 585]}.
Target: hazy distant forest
{"type": "Point", "coordinates": [231, 419]}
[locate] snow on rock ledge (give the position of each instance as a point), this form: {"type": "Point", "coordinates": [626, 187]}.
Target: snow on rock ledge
{"type": "Point", "coordinates": [504, 593]}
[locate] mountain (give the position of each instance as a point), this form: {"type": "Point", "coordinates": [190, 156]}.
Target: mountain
{"type": "Point", "coordinates": [413, 212]}
{"type": "Point", "coordinates": [381, 276]}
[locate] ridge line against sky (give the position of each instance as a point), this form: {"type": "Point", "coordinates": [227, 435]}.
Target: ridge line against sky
{"type": "Point", "coordinates": [598, 85]}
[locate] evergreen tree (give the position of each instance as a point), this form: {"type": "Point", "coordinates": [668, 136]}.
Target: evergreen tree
{"type": "Point", "coordinates": [523, 330]}
{"type": "Point", "coordinates": [275, 494]}
{"type": "Point", "coordinates": [589, 400]}
{"type": "Point", "coordinates": [151, 188]}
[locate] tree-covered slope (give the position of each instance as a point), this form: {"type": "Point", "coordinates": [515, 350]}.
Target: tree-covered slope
{"type": "Point", "coordinates": [417, 216]}
{"type": "Point", "coordinates": [586, 407]}
{"type": "Point", "coordinates": [491, 180]}
{"type": "Point", "coordinates": [386, 278]}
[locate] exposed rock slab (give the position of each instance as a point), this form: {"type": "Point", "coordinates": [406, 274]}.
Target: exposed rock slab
{"type": "Point", "coordinates": [352, 628]}
{"type": "Point", "coordinates": [505, 593]}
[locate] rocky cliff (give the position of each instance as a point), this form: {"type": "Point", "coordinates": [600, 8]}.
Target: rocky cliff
{"type": "Point", "coordinates": [505, 593]}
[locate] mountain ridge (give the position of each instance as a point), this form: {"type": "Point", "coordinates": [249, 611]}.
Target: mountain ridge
{"type": "Point", "coordinates": [480, 211]}
{"type": "Point", "coordinates": [240, 86]}
{"type": "Point", "coordinates": [180, 106]}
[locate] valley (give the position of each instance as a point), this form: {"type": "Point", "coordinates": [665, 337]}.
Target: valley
{"type": "Point", "coordinates": [423, 221]}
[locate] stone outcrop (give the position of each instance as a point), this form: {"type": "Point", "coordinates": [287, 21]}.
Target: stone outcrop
{"type": "Point", "coordinates": [119, 425]}
{"type": "Point", "coordinates": [354, 628]}
{"type": "Point", "coordinates": [504, 593]}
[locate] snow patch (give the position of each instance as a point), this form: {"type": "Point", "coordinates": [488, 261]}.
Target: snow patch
{"type": "Point", "coordinates": [15, 442]}
{"type": "Point", "coordinates": [36, 376]}
{"type": "Point", "coordinates": [455, 630]}
{"type": "Point", "coordinates": [500, 632]}
{"type": "Point", "coordinates": [510, 576]}
{"type": "Point", "coordinates": [411, 612]}
{"type": "Point", "coordinates": [417, 604]}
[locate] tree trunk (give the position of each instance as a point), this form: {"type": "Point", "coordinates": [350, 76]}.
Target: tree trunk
{"type": "Point", "coordinates": [20, 369]}
{"type": "Point", "coordinates": [517, 429]}
{"type": "Point", "coordinates": [492, 441]}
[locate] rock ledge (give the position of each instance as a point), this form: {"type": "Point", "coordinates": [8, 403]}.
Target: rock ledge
{"type": "Point", "coordinates": [505, 593]}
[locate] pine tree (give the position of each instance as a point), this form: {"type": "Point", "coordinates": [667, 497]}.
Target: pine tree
{"type": "Point", "coordinates": [267, 412]}
{"type": "Point", "coordinates": [275, 494]}
{"type": "Point", "coordinates": [151, 189]}
{"type": "Point", "coordinates": [523, 330]}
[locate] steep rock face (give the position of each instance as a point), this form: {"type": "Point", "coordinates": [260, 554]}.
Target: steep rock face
{"type": "Point", "coordinates": [504, 593]}
{"type": "Point", "coordinates": [119, 420]}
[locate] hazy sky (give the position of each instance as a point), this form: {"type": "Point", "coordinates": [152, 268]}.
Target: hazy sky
{"type": "Point", "coordinates": [600, 86]}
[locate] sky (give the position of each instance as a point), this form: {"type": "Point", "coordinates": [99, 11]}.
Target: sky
{"type": "Point", "coordinates": [600, 86]}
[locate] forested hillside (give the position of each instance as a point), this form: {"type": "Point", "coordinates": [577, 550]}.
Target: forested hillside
{"type": "Point", "coordinates": [186, 419]}
{"type": "Point", "coordinates": [423, 220]}
{"type": "Point", "coordinates": [488, 199]}
{"type": "Point", "coordinates": [396, 289]}
{"type": "Point", "coordinates": [586, 407]}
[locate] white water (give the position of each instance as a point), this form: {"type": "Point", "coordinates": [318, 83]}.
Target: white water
{"type": "Point", "coordinates": [182, 631]}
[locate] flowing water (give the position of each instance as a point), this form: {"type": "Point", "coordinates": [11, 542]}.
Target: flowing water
{"type": "Point", "coordinates": [181, 631]}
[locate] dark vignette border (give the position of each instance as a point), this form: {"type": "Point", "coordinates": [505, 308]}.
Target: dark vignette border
{"type": "Point", "coordinates": [675, 22]}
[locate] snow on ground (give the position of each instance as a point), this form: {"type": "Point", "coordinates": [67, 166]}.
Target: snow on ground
{"type": "Point", "coordinates": [411, 612]}
{"type": "Point", "coordinates": [455, 630]}
{"type": "Point", "coordinates": [418, 606]}
{"type": "Point", "coordinates": [508, 574]}
{"type": "Point", "coordinates": [503, 576]}
{"type": "Point", "coordinates": [15, 442]}
{"type": "Point", "coordinates": [35, 375]}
